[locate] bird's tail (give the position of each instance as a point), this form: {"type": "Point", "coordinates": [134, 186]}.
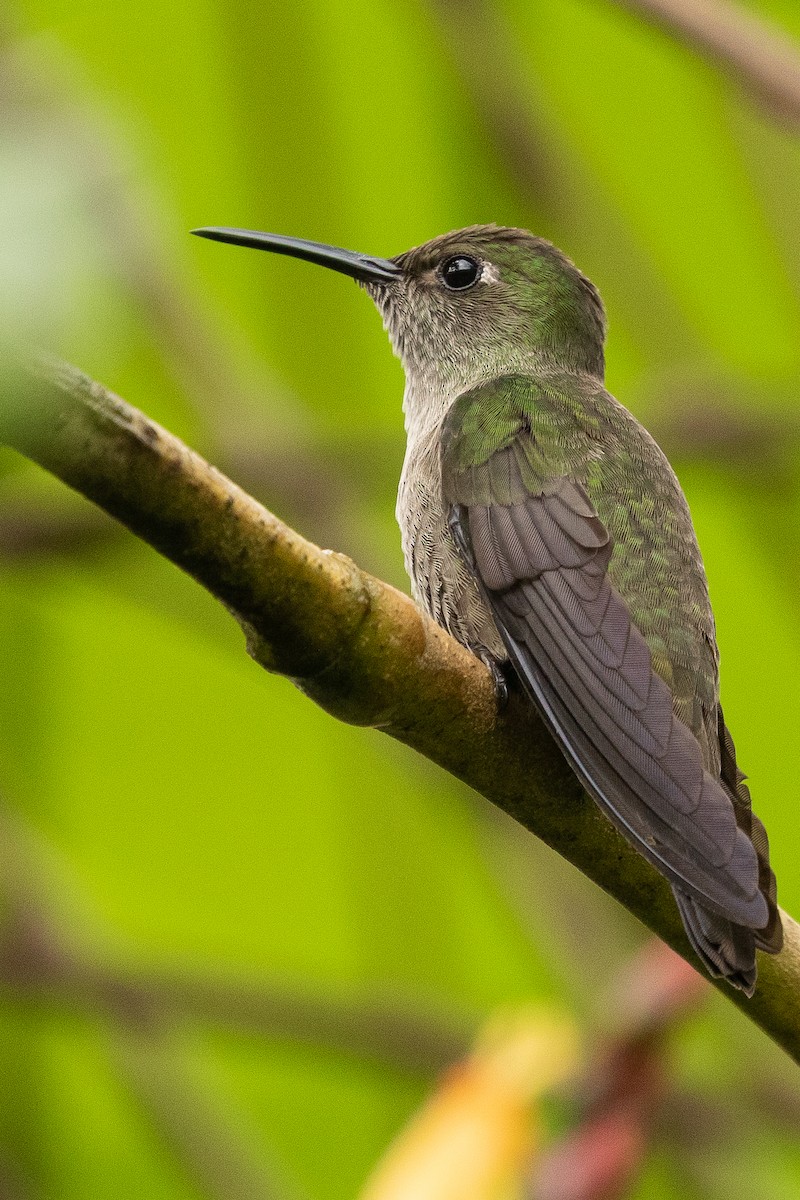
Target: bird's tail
{"type": "Point", "coordinates": [723, 947]}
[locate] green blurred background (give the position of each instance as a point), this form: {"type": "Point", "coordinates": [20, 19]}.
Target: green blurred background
{"type": "Point", "coordinates": [229, 923]}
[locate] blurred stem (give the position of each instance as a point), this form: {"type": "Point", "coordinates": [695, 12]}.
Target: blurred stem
{"type": "Point", "coordinates": [201, 1134]}
{"type": "Point", "coordinates": [30, 529]}
{"type": "Point", "coordinates": [251, 420]}
{"type": "Point", "coordinates": [549, 174]}
{"type": "Point", "coordinates": [624, 1086]}
{"type": "Point", "coordinates": [144, 1012]}
{"type": "Point", "coordinates": [12, 1186]}
{"type": "Point", "coordinates": [582, 932]}
{"type": "Point", "coordinates": [356, 646]}
{"type": "Point", "coordinates": [205, 1139]}
{"type": "Point", "coordinates": [372, 1028]}
{"type": "Point", "coordinates": [39, 960]}
{"type": "Point", "coordinates": [757, 54]}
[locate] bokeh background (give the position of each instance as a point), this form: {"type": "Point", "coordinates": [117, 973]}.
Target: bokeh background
{"type": "Point", "coordinates": [239, 942]}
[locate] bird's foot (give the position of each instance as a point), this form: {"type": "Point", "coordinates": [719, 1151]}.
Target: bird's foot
{"type": "Point", "coordinates": [497, 670]}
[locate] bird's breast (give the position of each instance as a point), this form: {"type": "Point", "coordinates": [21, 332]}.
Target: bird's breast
{"type": "Point", "coordinates": [440, 581]}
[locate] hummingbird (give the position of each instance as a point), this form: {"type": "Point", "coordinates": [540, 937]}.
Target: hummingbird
{"type": "Point", "coordinates": [544, 528]}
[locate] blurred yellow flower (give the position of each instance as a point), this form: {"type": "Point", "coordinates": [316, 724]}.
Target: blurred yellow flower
{"type": "Point", "coordinates": [476, 1134]}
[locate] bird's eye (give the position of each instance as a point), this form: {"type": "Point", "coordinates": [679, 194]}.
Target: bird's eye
{"type": "Point", "coordinates": [460, 272]}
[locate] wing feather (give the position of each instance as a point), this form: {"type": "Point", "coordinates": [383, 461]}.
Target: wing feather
{"type": "Point", "coordinates": [540, 555]}
{"type": "Point", "coordinates": [542, 563]}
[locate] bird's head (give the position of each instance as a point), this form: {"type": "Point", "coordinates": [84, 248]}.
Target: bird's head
{"type": "Point", "coordinates": [470, 304]}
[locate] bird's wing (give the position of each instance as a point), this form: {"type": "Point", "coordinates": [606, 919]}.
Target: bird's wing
{"type": "Point", "coordinates": [540, 555]}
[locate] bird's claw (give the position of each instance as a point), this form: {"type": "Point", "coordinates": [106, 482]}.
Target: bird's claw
{"type": "Point", "coordinates": [499, 680]}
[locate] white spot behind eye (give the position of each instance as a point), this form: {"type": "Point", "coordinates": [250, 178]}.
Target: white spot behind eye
{"type": "Point", "coordinates": [489, 274]}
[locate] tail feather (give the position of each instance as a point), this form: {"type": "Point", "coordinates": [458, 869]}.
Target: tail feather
{"type": "Point", "coordinates": [725, 948]}
{"type": "Point", "coordinates": [722, 947]}
{"type": "Point", "coordinates": [770, 938]}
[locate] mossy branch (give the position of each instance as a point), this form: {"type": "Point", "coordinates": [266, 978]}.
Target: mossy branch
{"type": "Point", "coordinates": [356, 646]}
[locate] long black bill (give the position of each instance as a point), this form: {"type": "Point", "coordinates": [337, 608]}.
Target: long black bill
{"type": "Point", "coordinates": [358, 266]}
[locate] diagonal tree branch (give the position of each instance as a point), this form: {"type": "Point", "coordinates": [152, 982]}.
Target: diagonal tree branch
{"type": "Point", "coordinates": [356, 646]}
{"type": "Point", "coordinates": [759, 55]}
{"type": "Point", "coordinates": [546, 171]}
